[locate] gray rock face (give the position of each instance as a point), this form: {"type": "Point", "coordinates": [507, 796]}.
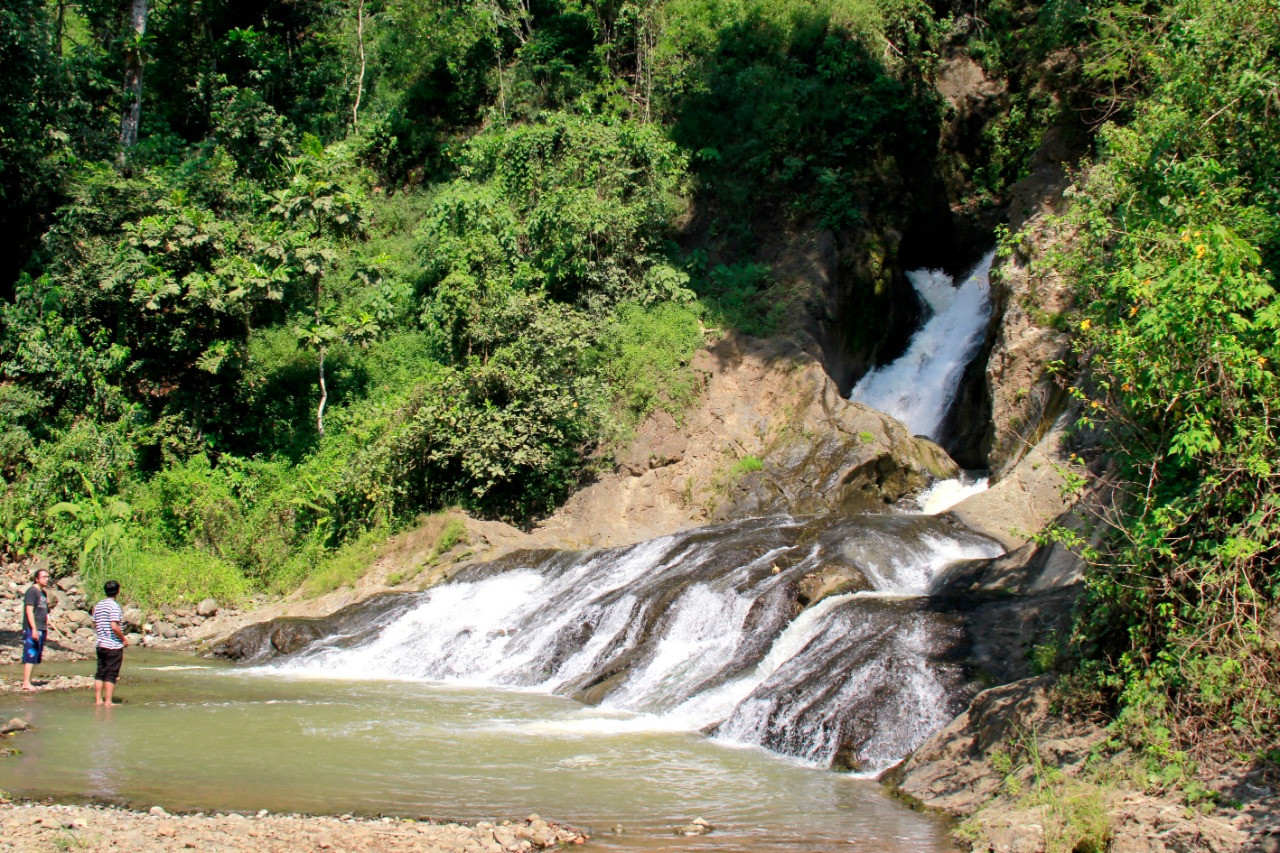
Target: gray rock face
{"type": "Point", "coordinates": [78, 617]}
{"type": "Point", "coordinates": [1032, 493]}
{"type": "Point", "coordinates": [132, 617]}
{"type": "Point", "coordinates": [951, 771]}
{"type": "Point", "coordinates": [1030, 302]}
{"type": "Point", "coordinates": [207, 608]}
{"type": "Point", "coordinates": [266, 640]}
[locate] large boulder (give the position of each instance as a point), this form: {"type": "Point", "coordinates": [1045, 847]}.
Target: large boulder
{"type": "Point", "coordinates": [770, 433]}
{"type": "Point", "coordinates": [263, 641]}
{"type": "Point", "coordinates": [952, 771]}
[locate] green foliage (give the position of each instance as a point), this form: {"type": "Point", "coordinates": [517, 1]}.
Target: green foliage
{"type": "Point", "coordinates": [452, 534]}
{"type": "Point", "coordinates": [792, 97]}
{"type": "Point", "coordinates": [1177, 342]}
{"type": "Point", "coordinates": [574, 207]}
{"type": "Point", "coordinates": [155, 578]}
{"type": "Point", "coordinates": [643, 356]}
{"type": "Point", "coordinates": [1074, 808]}
{"type": "Point", "coordinates": [739, 296]}
{"type": "Point", "coordinates": [503, 432]}
{"type": "Point", "coordinates": [344, 566]}
{"type": "Point", "coordinates": [746, 465]}
{"type": "Point", "coordinates": [98, 525]}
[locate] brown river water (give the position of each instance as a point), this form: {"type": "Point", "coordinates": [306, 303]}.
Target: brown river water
{"type": "Point", "coordinates": [205, 735]}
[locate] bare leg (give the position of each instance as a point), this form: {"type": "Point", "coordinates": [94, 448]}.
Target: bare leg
{"type": "Point", "coordinates": [97, 692]}
{"type": "Point", "coordinates": [26, 676]}
{"type": "Point", "coordinates": [110, 689]}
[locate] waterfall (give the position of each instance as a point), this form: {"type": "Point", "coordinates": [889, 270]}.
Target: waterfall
{"type": "Point", "coordinates": [918, 387]}
{"type": "Point", "coordinates": [700, 631]}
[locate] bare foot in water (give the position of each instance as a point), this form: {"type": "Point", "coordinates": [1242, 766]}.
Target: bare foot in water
{"type": "Point", "coordinates": [28, 688]}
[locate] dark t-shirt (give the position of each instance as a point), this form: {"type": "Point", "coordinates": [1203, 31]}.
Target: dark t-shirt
{"type": "Point", "coordinates": [36, 598]}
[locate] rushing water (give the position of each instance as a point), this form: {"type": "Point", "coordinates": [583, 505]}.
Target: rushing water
{"type": "Point", "coordinates": [919, 386]}
{"type": "Point", "coordinates": [205, 735]}
{"type": "Point", "coordinates": [945, 494]}
{"type": "Point", "coordinates": [699, 632]}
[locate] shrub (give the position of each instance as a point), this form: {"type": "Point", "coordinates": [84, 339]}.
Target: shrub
{"type": "Point", "coordinates": [154, 578]}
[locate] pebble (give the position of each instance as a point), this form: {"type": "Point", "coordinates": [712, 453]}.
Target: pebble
{"type": "Point", "coordinates": [156, 811]}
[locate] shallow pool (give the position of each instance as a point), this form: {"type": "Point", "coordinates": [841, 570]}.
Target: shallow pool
{"type": "Point", "coordinates": [202, 735]}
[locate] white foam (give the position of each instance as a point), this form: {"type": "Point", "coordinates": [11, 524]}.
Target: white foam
{"type": "Point", "coordinates": [945, 494]}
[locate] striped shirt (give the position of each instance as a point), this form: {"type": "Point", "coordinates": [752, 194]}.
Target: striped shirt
{"type": "Point", "coordinates": [105, 612]}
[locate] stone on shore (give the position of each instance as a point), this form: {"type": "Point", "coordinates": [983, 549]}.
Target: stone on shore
{"type": "Point", "coordinates": [96, 828]}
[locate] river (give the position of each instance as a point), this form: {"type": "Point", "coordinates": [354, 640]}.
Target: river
{"type": "Point", "coordinates": [203, 735]}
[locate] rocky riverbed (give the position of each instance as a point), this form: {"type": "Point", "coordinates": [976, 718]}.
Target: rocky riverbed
{"type": "Point", "coordinates": [71, 634]}
{"type": "Point", "coordinates": [31, 827]}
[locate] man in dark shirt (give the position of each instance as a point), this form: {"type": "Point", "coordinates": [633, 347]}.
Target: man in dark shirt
{"type": "Point", "coordinates": [35, 623]}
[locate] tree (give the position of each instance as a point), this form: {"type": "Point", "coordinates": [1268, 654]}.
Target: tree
{"type": "Point", "coordinates": [320, 211]}
{"type": "Point", "coordinates": [133, 76]}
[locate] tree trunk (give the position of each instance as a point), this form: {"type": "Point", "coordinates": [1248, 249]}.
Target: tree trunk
{"type": "Point", "coordinates": [355, 109]}
{"type": "Point", "coordinates": [324, 396]}
{"type": "Point", "coordinates": [133, 77]}
{"type": "Point", "coordinates": [59, 23]}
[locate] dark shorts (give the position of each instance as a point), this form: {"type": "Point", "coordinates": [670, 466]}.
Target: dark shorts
{"type": "Point", "coordinates": [109, 661]}
{"type": "Point", "coordinates": [33, 645]}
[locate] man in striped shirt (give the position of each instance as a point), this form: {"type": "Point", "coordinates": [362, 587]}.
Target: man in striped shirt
{"type": "Point", "coordinates": [108, 625]}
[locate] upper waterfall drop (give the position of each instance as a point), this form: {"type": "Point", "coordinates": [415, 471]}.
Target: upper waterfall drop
{"type": "Point", "coordinates": [918, 387]}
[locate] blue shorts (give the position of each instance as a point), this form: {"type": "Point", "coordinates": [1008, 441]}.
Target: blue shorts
{"type": "Point", "coordinates": [33, 645]}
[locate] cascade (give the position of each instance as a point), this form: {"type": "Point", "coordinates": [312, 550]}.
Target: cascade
{"type": "Point", "coordinates": [814, 638]}
{"type": "Point", "coordinates": [919, 386]}
{"type": "Point", "coordinates": [699, 631]}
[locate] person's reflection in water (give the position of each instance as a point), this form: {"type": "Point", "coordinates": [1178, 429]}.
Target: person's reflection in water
{"type": "Point", "coordinates": [100, 756]}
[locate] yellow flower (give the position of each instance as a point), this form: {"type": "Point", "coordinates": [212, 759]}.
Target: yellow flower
{"type": "Point", "coordinates": [1133, 309]}
{"type": "Point", "coordinates": [1200, 250]}
{"type": "Point", "coordinates": [1186, 238]}
{"type": "Point", "coordinates": [1085, 324]}
{"type": "Point", "coordinates": [1262, 361]}
{"type": "Point", "coordinates": [1126, 387]}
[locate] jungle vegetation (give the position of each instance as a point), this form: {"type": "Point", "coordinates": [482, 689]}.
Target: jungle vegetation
{"type": "Point", "coordinates": [283, 276]}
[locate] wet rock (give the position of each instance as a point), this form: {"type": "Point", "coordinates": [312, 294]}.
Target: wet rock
{"type": "Point", "coordinates": [167, 630]}
{"type": "Point", "coordinates": [697, 826]}
{"type": "Point", "coordinates": [207, 608]}
{"type": "Point", "coordinates": [265, 640]}
{"type": "Point", "coordinates": [952, 772]}
{"type": "Point", "coordinates": [15, 724]}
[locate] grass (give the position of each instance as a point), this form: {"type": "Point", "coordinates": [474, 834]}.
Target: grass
{"type": "Point", "coordinates": [746, 465]}
{"type": "Point", "coordinates": [1073, 810]}
{"type": "Point", "coordinates": [153, 578]}
{"type": "Point", "coordinates": [344, 566]}
{"type": "Point", "coordinates": [453, 533]}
